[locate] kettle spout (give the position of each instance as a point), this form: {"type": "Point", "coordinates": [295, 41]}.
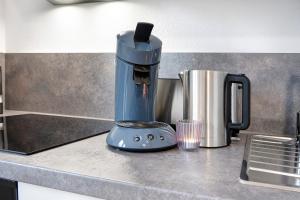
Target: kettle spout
{"type": "Point", "coordinates": [180, 74]}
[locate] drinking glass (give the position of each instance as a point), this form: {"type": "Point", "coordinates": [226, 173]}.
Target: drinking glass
{"type": "Point", "coordinates": [188, 134]}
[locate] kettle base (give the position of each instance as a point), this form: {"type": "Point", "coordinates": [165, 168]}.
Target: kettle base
{"type": "Point", "coordinates": [213, 147]}
{"type": "Point", "coordinates": [136, 139]}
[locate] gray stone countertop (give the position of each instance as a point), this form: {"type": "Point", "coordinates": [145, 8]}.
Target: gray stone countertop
{"type": "Point", "coordinates": [90, 168]}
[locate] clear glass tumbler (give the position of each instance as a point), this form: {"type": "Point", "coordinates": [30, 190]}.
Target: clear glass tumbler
{"type": "Point", "coordinates": [188, 134]}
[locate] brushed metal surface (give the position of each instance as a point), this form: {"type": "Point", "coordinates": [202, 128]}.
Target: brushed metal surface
{"type": "Point", "coordinates": [203, 99]}
{"type": "Point", "coordinates": [169, 102]}
{"type": "Point", "coordinates": [272, 161]}
{"type": "Point", "coordinates": [234, 98]}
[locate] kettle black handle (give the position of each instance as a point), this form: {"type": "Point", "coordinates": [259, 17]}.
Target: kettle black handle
{"type": "Point", "coordinates": [245, 82]}
{"type": "Point", "coordinates": [298, 126]}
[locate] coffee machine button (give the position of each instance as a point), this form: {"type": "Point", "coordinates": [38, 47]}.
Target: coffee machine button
{"type": "Point", "coordinates": [150, 137]}
{"type": "Point", "coordinates": [137, 138]}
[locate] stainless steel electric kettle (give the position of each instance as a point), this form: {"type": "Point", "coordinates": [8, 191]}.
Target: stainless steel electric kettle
{"type": "Point", "coordinates": [207, 97]}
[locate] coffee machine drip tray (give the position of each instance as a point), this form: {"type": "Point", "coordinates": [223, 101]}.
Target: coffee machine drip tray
{"type": "Point", "coordinates": [140, 136]}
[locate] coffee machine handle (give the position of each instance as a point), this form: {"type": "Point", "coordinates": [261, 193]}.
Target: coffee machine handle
{"type": "Point", "coordinates": [143, 32]}
{"type": "Point", "coordinates": [245, 82]}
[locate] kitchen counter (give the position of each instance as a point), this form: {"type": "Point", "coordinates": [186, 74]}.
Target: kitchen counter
{"type": "Point", "coordinates": [90, 168]}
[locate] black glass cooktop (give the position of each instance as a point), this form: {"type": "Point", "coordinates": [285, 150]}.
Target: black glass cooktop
{"type": "Point", "coordinates": [32, 133]}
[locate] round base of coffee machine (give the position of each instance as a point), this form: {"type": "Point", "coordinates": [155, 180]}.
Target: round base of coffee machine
{"type": "Point", "coordinates": [138, 136]}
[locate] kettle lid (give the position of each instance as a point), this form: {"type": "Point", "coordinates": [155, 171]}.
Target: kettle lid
{"type": "Point", "coordinates": [139, 46]}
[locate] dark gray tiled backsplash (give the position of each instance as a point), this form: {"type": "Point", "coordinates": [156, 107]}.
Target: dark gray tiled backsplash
{"type": "Point", "coordinates": [2, 64]}
{"type": "Point", "coordinates": [83, 84]}
{"type": "Point", "coordinates": [2, 59]}
{"type": "Point", "coordinates": [77, 84]}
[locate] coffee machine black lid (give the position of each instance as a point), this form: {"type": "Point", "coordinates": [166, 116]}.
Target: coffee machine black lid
{"type": "Point", "coordinates": [139, 46]}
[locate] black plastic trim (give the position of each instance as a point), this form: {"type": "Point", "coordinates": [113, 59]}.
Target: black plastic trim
{"type": "Point", "coordinates": [8, 189]}
{"type": "Point", "coordinates": [245, 82]}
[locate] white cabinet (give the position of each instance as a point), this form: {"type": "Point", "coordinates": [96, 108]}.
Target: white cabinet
{"type": "Point", "coordinates": [34, 192]}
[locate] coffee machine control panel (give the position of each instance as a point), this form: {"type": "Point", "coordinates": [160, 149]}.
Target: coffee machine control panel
{"type": "Point", "coordinates": [148, 138]}
{"type": "Point", "coordinates": [144, 139]}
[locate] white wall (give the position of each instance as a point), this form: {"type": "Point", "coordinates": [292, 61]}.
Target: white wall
{"type": "Point", "coordinates": [34, 192]}
{"type": "Point", "coordinates": [2, 30]}
{"type": "Point", "coordinates": [183, 25]}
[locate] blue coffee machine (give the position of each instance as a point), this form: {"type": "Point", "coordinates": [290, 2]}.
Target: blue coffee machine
{"type": "Point", "coordinates": [137, 62]}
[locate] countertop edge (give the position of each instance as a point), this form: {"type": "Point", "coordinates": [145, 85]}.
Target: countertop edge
{"type": "Point", "coordinates": [89, 186]}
